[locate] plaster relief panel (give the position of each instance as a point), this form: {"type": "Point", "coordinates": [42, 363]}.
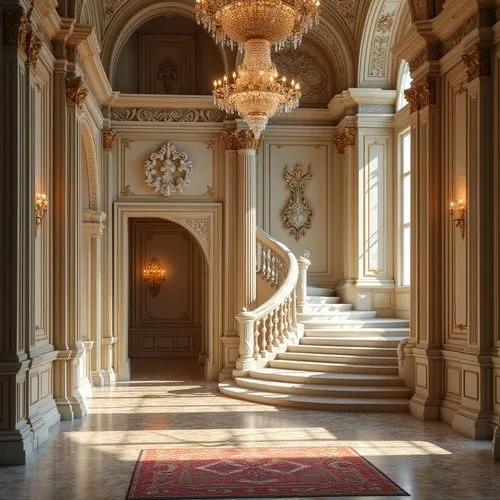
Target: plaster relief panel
{"type": "Point", "coordinates": [168, 323]}
{"type": "Point", "coordinates": [471, 385]}
{"type": "Point", "coordinates": [163, 168]}
{"type": "Point", "coordinates": [274, 195]}
{"type": "Point", "coordinates": [453, 385]}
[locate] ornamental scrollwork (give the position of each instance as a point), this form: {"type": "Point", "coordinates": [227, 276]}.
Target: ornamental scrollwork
{"type": "Point", "coordinates": [76, 93]}
{"type": "Point", "coordinates": [346, 138]}
{"type": "Point", "coordinates": [166, 115]}
{"type": "Point", "coordinates": [109, 138]}
{"type": "Point", "coordinates": [297, 214]}
{"type": "Point", "coordinates": [477, 63]}
{"type": "Point", "coordinates": [168, 171]}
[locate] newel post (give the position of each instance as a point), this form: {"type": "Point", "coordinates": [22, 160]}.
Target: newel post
{"type": "Point", "coordinates": [246, 325]}
{"type": "Point", "coordinates": [304, 264]}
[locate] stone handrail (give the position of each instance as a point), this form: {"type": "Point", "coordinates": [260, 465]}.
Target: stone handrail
{"type": "Point", "coordinates": [273, 325]}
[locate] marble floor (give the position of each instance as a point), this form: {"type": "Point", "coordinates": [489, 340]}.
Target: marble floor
{"type": "Point", "coordinates": [170, 406]}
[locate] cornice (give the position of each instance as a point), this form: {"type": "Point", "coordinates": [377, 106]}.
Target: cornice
{"type": "Point", "coordinates": [340, 105]}
{"type": "Point", "coordinates": [120, 100]}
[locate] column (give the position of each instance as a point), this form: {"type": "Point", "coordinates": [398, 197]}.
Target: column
{"type": "Point", "coordinates": [93, 225]}
{"type": "Point", "coordinates": [109, 140]}
{"type": "Point", "coordinates": [473, 416]}
{"type": "Point", "coordinates": [69, 96]}
{"type": "Point", "coordinates": [428, 214]}
{"type": "Point", "coordinates": [16, 251]}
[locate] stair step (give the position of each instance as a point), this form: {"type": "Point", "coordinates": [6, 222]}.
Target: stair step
{"type": "Point", "coordinates": [343, 350]}
{"type": "Point", "coordinates": [320, 377]}
{"type": "Point", "coordinates": [326, 308]}
{"type": "Point", "coordinates": [316, 403]}
{"type": "Point", "coordinates": [336, 391]}
{"type": "Point", "coordinates": [333, 367]}
{"type": "Point", "coordinates": [354, 341]}
{"type": "Point", "coordinates": [318, 291]}
{"type": "Point", "coordinates": [339, 359]}
{"type": "Point", "coordinates": [356, 324]}
{"type": "Point", "coordinates": [322, 300]}
{"type": "Point", "coordinates": [336, 316]}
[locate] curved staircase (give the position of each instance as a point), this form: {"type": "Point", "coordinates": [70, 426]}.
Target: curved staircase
{"type": "Point", "coordinates": [346, 361]}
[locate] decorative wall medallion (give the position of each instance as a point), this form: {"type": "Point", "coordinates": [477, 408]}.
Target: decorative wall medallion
{"type": "Point", "coordinates": [167, 74]}
{"type": "Point", "coordinates": [297, 214]}
{"type": "Point", "coordinates": [166, 115]}
{"type": "Point", "coordinates": [168, 171]}
{"type": "Point", "coordinates": [75, 91]}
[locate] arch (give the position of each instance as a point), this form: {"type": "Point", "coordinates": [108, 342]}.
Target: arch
{"type": "Point", "coordinates": [90, 12]}
{"type": "Point", "coordinates": [90, 166]}
{"type": "Point", "coordinates": [204, 223]}
{"type": "Point", "coordinates": [132, 15]}
{"type": "Point", "coordinates": [376, 61]}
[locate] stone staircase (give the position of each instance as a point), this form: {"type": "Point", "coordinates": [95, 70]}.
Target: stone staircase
{"type": "Point", "coordinates": [346, 361]}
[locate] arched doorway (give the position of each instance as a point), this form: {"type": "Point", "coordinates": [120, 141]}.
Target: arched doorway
{"type": "Point", "coordinates": [203, 223]}
{"type": "Point", "coordinates": [167, 327]}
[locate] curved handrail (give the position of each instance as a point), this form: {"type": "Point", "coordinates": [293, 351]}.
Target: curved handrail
{"type": "Point", "coordinates": [264, 329]}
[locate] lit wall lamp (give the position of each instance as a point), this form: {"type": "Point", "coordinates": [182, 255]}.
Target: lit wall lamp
{"type": "Point", "coordinates": [457, 212]}
{"type": "Point", "coordinates": [154, 275]}
{"type": "Point", "coordinates": [41, 206]}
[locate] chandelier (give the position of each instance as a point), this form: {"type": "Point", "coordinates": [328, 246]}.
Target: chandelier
{"type": "Point", "coordinates": [278, 21]}
{"type": "Point", "coordinates": [154, 275]}
{"type": "Point", "coordinates": [256, 91]}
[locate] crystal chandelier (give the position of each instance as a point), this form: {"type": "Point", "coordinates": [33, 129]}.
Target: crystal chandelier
{"type": "Point", "coordinates": [278, 21]}
{"type": "Point", "coordinates": [256, 92]}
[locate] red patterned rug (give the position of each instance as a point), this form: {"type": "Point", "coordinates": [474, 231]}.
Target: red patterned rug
{"type": "Point", "coordinates": [256, 473]}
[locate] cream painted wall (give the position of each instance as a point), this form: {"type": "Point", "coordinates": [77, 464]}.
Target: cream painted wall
{"type": "Point", "coordinates": [170, 323]}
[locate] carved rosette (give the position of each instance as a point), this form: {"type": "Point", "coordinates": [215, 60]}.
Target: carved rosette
{"type": "Point", "coordinates": [477, 63]}
{"type": "Point", "coordinates": [109, 138]}
{"type": "Point", "coordinates": [168, 171]}
{"type": "Point", "coordinates": [297, 213]}
{"type": "Point", "coordinates": [76, 92]}
{"type": "Point", "coordinates": [346, 138]}
{"type": "Point", "coordinates": [421, 95]}
{"type": "Point", "coordinates": [240, 139]}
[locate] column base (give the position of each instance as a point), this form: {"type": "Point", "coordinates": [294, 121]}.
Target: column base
{"type": "Point", "coordinates": [98, 378]}
{"type": "Point", "coordinates": [425, 409]}
{"type": "Point", "coordinates": [473, 424]}
{"type": "Point", "coordinates": [125, 371]}
{"type": "Point", "coordinates": [16, 446]}
{"type": "Point", "coordinates": [108, 377]}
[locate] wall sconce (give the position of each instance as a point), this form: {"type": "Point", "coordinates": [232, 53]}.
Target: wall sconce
{"type": "Point", "coordinates": [154, 275]}
{"type": "Point", "coordinates": [457, 212]}
{"type": "Point", "coordinates": [41, 206]}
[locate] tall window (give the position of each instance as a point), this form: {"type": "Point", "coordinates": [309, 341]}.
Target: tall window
{"type": "Point", "coordinates": [404, 82]}
{"type": "Point", "coordinates": [405, 205]}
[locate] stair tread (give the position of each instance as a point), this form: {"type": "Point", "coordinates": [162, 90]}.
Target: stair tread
{"type": "Point", "coordinates": [327, 364]}
{"type": "Point", "coordinates": [347, 356]}
{"type": "Point", "coordinates": [317, 399]}
{"type": "Point", "coordinates": [322, 375]}
{"type": "Point", "coordinates": [305, 348]}
{"type": "Point", "coordinates": [323, 387]}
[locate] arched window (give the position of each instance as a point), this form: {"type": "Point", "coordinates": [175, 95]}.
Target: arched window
{"type": "Point", "coordinates": [404, 82]}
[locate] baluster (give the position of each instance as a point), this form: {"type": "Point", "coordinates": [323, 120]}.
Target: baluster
{"type": "Point", "coordinates": [270, 340]}
{"type": "Point", "coordinates": [294, 309]}
{"type": "Point", "coordinates": [268, 273]}
{"type": "Point", "coordinates": [264, 262]}
{"type": "Point", "coordinates": [285, 320]}
{"type": "Point", "coordinates": [263, 339]}
{"type": "Point", "coordinates": [276, 332]}
{"type": "Point", "coordinates": [256, 339]}
{"type": "Point", "coordinates": [273, 268]}
{"type": "Point", "coordinates": [290, 318]}
{"type": "Point", "coordinates": [281, 323]}
{"type": "Point", "coordinates": [259, 257]}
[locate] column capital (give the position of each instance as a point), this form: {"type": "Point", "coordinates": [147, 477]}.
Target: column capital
{"type": "Point", "coordinates": [76, 92]}
{"type": "Point", "coordinates": [477, 62]}
{"type": "Point", "coordinates": [240, 139]}
{"type": "Point", "coordinates": [346, 138]}
{"type": "Point", "coordinates": [109, 138]}
{"type": "Point", "coordinates": [421, 95]}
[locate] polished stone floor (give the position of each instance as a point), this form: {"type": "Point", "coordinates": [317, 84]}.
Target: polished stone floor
{"type": "Point", "coordinates": [167, 405]}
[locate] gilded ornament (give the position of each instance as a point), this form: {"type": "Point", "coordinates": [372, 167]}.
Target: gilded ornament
{"type": "Point", "coordinates": [109, 138]}
{"type": "Point", "coordinates": [168, 171]}
{"type": "Point", "coordinates": [297, 214]}
{"type": "Point", "coordinates": [411, 97]}
{"type": "Point", "coordinates": [240, 139]}
{"type": "Point", "coordinates": [385, 22]}
{"type": "Point", "coordinates": [210, 191]}
{"type": "Point", "coordinates": [75, 91]}
{"type": "Point", "coordinates": [33, 47]}
{"type": "Point", "coordinates": [346, 138]}
{"type": "Point", "coordinates": [477, 63]}
{"type": "Point", "coordinates": [421, 95]}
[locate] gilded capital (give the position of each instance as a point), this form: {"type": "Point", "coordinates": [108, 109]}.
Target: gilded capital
{"type": "Point", "coordinates": [240, 139]}
{"type": "Point", "coordinates": [15, 27]}
{"type": "Point", "coordinates": [75, 91]}
{"type": "Point", "coordinates": [109, 138]}
{"type": "Point", "coordinates": [477, 63]}
{"type": "Point", "coordinates": [346, 138]}
{"type": "Point", "coordinates": [421, 95]}
{"type": "Point", "coordinates": [411, 95]}
{"type": "Point", "coordinates": [33, 46]}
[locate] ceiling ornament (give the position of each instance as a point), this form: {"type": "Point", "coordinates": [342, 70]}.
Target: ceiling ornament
{"type": "Point", "coordinates": [168, 171]}
{"type": "Point", "coordinates": [256, 92]}
{"type": "Point", "coordinates": [297, 214]}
